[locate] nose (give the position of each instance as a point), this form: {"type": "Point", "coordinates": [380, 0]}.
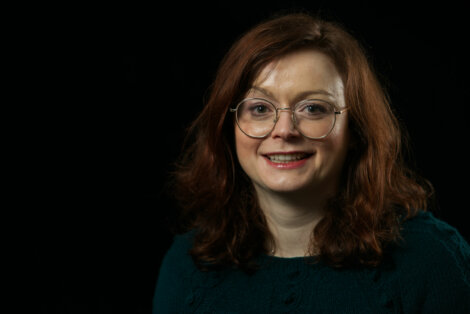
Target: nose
{"type": "Point", "coordinates": [284, 127]}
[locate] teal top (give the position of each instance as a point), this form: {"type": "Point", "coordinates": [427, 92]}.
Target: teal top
{"type": "Point", "coordinates": [428, 273]}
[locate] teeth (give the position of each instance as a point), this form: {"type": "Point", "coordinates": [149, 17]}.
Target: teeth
{"type": "Point", "coordinates": [286, 158]}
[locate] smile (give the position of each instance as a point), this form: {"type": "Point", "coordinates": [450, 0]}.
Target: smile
{"type": "Point", "coordinates": [286, 161]}
{"type": "Point", "coordinates": [285, 158]}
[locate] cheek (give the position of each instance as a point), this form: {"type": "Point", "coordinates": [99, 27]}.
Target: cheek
{"type": "Point", "coordinates": [246, 148]}
{"type": "Point", "coordinates": [239, 145]}
{"type": "Point", "coordinates": [333, 150]}
{"type": "Point", "coordinates": [339, 140]}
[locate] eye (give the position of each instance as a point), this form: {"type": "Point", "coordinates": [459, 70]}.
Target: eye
{"type": "Point", "coordinates": [314, 109]}
{"type": "Point", "coordinates": [259, 109]}
{"type": "Point", "coordinates": [256, 109]}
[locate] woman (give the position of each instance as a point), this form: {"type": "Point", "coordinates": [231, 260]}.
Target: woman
{"type": "Point", "coordinates": [295, 197]}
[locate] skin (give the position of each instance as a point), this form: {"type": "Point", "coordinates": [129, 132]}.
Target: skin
{"type": "Point", "coordinates": [293, 200]}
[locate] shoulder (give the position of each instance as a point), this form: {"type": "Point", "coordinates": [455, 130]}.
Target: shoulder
{"type": "Point", "coordinates": [425, 234]}
{"type": "Point", "coordinates": [178, 253]}
{"type": "Point", "coordinates": [433, 262]}
{"type": "Point", "coordinates": [177, 259]}
{"type": "Point", "coordinates": [426, 221]}
{"type": "Point", "coordinates": [431, 241]}
{"type": "Point", "coordinates": [174, 275]}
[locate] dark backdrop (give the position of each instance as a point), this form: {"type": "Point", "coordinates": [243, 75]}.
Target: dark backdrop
{"type": "Point", "coordinates": [130, 80]}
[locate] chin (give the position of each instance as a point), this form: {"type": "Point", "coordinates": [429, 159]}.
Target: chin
{"type": "Point", "coordinates": [288, 186]}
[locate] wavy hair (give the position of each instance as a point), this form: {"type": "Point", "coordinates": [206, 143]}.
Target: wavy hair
{"type": "Point", "coordinates": [378, 192]}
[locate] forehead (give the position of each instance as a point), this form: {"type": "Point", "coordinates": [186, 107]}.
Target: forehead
{"type": "Point", "coordinates": [302, 69]}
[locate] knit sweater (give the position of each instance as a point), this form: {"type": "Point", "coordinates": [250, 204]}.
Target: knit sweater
{"type": "Point", "coordinates": [428, 273]}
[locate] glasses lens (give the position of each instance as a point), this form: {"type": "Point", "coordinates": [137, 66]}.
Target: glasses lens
{"type": "Point", "coordinates": [315, 118]}
{"type": "Point", "coordinates": [256, 117]}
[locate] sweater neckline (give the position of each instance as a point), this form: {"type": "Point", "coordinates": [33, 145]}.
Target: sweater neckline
{"type": "Point", "coordinates": [288, 260]}
{"type": "Point", "coordinates": [273, 257]}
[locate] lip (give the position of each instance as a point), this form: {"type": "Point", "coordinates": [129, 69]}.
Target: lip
{"type": "Point", "coordinates": [287, 165]}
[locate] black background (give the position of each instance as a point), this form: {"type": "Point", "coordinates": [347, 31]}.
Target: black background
{"type": "Point", "coordinates": [127, 81]}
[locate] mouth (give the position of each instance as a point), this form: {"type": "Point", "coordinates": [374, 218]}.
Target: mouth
{"type": "Point", "coordinates": [287, 157]}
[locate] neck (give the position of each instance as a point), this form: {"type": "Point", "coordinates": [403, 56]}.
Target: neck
{"type": "Point", "coordinates": [291, 219]}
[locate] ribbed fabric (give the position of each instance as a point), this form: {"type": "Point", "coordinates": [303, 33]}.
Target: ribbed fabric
{"type": "Point", "coordinates": [428, 273]}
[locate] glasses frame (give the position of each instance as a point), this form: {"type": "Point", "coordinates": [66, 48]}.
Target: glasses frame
{"type": "Point", "coordinates": [292, 110]}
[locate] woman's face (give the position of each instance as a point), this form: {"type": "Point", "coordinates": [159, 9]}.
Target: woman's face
{"type": "Point", "coordinates": [304, 74]}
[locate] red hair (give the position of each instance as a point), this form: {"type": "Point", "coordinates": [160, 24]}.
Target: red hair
{"type": "Point", "coordinates": [378, 192]}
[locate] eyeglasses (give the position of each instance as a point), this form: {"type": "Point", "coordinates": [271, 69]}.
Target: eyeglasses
{"type": "Point", "coordinates": [313, 118]}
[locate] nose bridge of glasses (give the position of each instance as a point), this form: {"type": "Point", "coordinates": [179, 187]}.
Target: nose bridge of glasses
{"type": "Point", "coordinates": [286, 109]}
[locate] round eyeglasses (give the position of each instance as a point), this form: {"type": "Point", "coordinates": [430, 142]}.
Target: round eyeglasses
{"type": "Point", "coordinates": [313, 118]}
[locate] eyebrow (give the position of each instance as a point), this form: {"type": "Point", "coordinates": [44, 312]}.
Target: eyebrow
{"type": "Point", "coordinates": [301, 95]}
